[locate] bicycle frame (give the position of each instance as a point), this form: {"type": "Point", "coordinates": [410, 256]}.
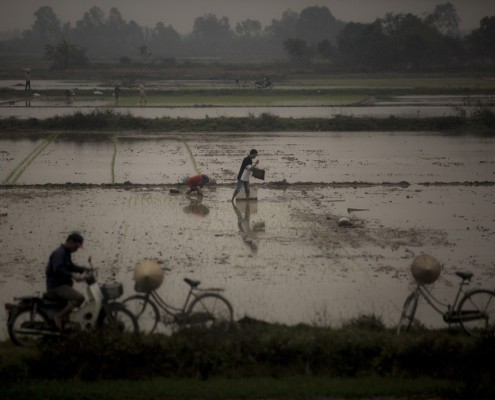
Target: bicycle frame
{"type": "Point", "coordinates": [451, 314]}
{"type": "Point", "coordinates": [173, 311]}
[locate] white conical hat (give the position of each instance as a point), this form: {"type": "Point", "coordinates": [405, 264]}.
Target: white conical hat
{"type": "Point", "coordinates": [148, 275]}
{"type": "Point", "coordinates": [426, 268]}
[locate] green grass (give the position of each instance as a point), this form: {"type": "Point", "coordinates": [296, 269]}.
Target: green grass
{"type": "Point", "coordinates": [293, 387]}
{"type": "Point", "coordinates": [208, 98]}
{"type": "Point", "coordinates": [243, 100]}
{"type": "Point", "coordinates": [19, 170]}
{"type": "Point", "coordinates": [386, 82]}
{"type": "Point", "coordinates": [99, 122]}
{"type": "Point", "coordinates": [362, 358]}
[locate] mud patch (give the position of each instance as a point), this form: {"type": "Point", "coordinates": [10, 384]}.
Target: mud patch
{"type": "Point", "coordinates": [283, 259]}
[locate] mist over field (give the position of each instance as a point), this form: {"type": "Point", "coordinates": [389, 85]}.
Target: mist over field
{"type": "Point", "coordinates": [407, 36]}
{"type": "Point", "coordinates": [181, 15]}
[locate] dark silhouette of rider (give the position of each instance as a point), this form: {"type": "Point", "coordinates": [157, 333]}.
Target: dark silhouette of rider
{"type": "Point", "coordinates": [60, 275]}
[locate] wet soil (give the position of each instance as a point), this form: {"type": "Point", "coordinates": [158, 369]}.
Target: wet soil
{"type": "Point", "coordinates": [282, 259]}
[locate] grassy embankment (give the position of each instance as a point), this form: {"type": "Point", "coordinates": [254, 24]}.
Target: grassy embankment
{"type": "Point", "coordinates": [111, 120]}
{"type": "Point", "coordinates": [255, 360]}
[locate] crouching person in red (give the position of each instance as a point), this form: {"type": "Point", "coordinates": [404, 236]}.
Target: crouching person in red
{"type": "Point", "coordinates": [196, 183]}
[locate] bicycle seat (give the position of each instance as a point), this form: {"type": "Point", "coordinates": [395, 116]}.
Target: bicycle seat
{"type": "Point", "coordinates": [192, 283]}
{"type": "Point", "coordinates": [464, 275]}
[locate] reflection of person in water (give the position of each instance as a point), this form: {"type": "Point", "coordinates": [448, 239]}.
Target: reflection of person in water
{"type": "Point", "coordinates": [244, 224]}
{"type": "Point", "coordinates": [195, 183]}
{"type": "Point", "coordinates": [195, 207]}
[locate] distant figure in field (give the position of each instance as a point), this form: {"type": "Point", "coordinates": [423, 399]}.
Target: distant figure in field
{"type": "Point", "coordinates": [142, 95]}
{"type": "Point", "coordinates": [27, 75]}
{"type": "Point", "coordinates": [116, 92]}
{"type": "Point", "coordinates": [195, 183]}
{"type": "Point", "coordinates": [69, 95]}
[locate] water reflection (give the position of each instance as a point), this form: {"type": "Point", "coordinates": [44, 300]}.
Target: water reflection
{"type": "Point", "coordinates": [244, 223]}
{"type": "Point", "coordinates": [347, 273]}
{"type": "Point", "coordinates": [196, 207]}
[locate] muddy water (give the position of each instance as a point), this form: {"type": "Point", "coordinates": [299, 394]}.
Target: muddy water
{"type": "Point", "coordinates": [291, 262]}
{"type": "Point", "coordinates": [294, 264]}
{"type": "Point", "coordinates": [317, 157]}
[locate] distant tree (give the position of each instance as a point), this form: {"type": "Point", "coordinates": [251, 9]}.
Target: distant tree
{"type": "Point", "coordinates": [365, 47]}
{"type": "Point", "coordinates": [316, 24]}
{"type": "Point", "coordinates": [47, 27]}
{"type": "Point", "coordinates": [115, 22]}
{"type": "Point", "coordinates": [299, 50]}
{"type": "Point", "coordinates": [211, 28]}
{"type": "Point", "coordinates": [326, 50]}
{"type": "Point", "coordinates": [481, 41]}
{"type": "Point", "coordinates": [164, 39]}
{"type": "Point", "coordinates": [132, 36]}
{"type": "Point", "coordinates": [144, 53]}
{"type": "Point", "coordinates": [211, 36]}
{"type": "Point", "coordinates": [445, 19]}
{"type": "Point", "coordinates": [92, 20]}
{"type": "Point", "coordinates": [65, 55]}
{"type": "Point", "coordinates": [414, 42]}
{"type": "Point", "coordinates": [285, 28]}
{"type": "Point", "coordinates": [248, 28]}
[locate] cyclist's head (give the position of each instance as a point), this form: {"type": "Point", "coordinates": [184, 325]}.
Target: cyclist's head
{"type": "Point", "coordinates": [74, 241]}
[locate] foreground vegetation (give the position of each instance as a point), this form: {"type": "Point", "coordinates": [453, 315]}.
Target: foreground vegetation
{"type": "Point", "coordinates": [293, 387]}
{"type": "Point", "coordinates": [254, 360]}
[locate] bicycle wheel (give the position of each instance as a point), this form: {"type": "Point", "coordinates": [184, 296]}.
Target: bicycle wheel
{"type": "Point", "coordinates": [145, 311]}
{"type": "Point", "coordinates": [117, 316]}
{"type": "Point", "coordinates": [26, 327]}
{"type": "Point", "coordinates": [477, 312]}
{"type": "Point", "coordinates": [207, 310]}
{"type": "Point", "coordinates": [408, 312]}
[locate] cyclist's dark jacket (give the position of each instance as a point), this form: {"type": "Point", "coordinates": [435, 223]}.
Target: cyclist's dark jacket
{"type": "Point", "coordinates": [247, 161]}
{"type": "Point", "coordinates": [60, 268]}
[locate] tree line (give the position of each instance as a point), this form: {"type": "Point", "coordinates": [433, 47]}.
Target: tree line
{"type": "Point", "coordinates": [396, 42]}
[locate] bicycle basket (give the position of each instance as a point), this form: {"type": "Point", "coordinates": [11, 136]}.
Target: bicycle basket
{"type": "Point", "coordinates": [112, 291]}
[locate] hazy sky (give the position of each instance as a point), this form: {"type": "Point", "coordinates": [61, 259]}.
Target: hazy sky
{"type": "Point", "coordinates": [181, 13]}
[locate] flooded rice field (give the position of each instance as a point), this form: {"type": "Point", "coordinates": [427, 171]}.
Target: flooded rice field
{"type": "Point", "coordinates": [39, 106]}
{"type": "Point", "coordinates": [282, 258]}
{"type": "Point", "coordinates": [298, 158]}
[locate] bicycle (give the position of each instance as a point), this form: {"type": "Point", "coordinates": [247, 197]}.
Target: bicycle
{"type": "Point", "coordinates": [474, 309]}
{"type": "Point", "coordinates": [202, 308]}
